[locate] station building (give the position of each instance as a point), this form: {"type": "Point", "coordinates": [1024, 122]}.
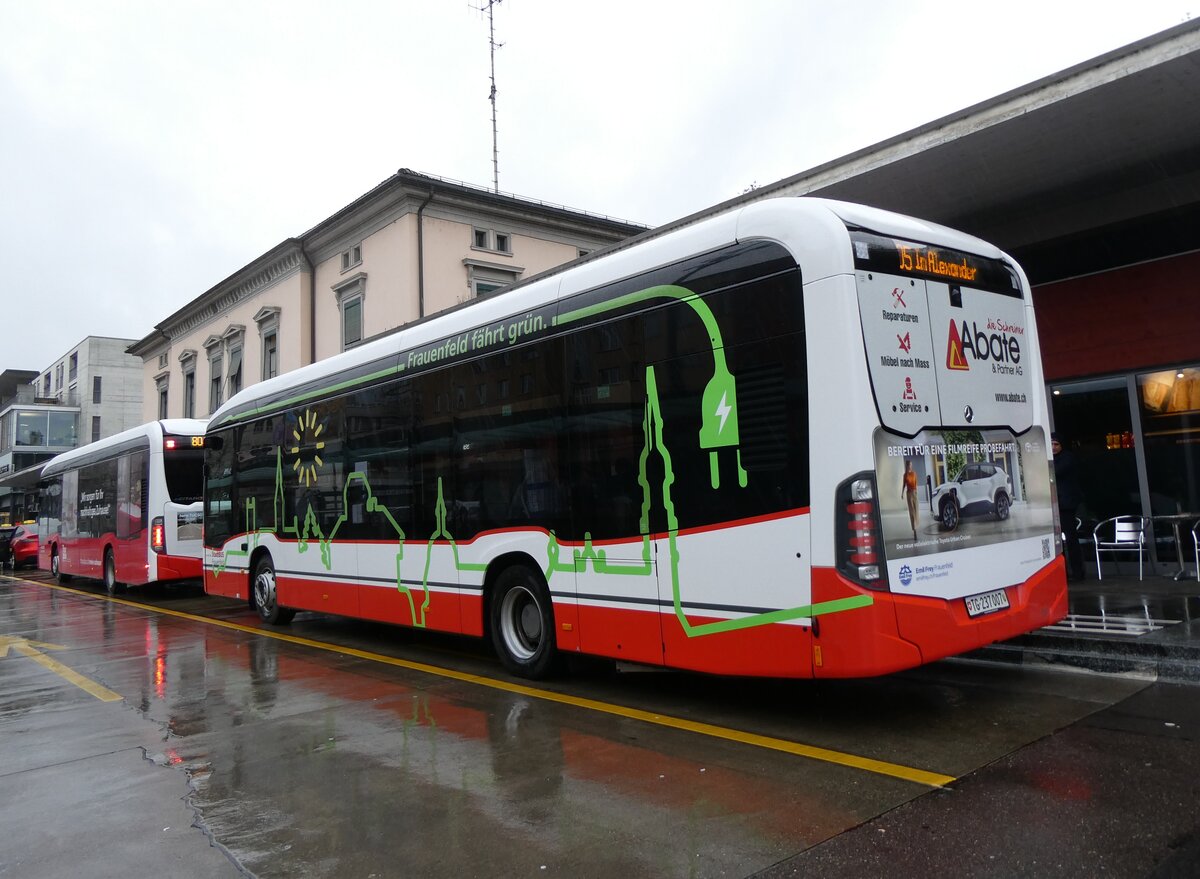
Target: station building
{"type": "Point", "coordinates": [1090, 178]}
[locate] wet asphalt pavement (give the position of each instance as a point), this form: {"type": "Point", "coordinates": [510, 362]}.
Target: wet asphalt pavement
{"type": "Point", "coordinates": [232, 751]}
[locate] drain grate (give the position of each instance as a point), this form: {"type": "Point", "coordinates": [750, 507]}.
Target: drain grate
{"type": "Point", "coordinates": [1108, 624]}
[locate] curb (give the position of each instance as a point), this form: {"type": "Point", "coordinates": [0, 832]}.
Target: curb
{"type": "Point", "coordinates": [1171, 662]}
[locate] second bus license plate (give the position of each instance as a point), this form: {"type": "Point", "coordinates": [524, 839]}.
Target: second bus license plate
{"type": "Point", "coordinates": [988, 602]}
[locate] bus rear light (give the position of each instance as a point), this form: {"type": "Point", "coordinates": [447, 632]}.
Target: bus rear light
{"type": "Point", "coordinates": [158, 536]}
{"type": "Point", "coordinates": [858, 532]}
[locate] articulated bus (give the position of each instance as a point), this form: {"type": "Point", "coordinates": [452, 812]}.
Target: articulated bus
{"type": "Point", "coordinates": [802, 438]}
{"type": "Point", "coordinates": [127, 509]}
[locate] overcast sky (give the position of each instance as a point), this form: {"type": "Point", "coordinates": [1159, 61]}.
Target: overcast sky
{"type": "Point", "coordinates": [150, 149]}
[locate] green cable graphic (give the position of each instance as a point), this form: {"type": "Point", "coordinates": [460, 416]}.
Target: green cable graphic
{"type": "Point", "coordinates": [719, 429]}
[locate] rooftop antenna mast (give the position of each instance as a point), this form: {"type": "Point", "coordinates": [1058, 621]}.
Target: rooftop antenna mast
{"type": "Point", "coordinates": [490, 6]}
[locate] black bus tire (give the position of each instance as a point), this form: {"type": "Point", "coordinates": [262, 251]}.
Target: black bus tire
{"type": "Point", "coordinates": [111, 586]}
{"type": "Point", "coordinates": [266, 598]}
{"type": "Point", "coordinates": [56, 567]}
{"type": "Point", "coordinates": [522, 623]}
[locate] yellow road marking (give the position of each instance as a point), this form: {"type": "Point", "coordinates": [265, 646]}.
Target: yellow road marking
{"type": "Point", "coordinates": [30, 650]}
{"type": "Point", "coordinates": [826, 755]}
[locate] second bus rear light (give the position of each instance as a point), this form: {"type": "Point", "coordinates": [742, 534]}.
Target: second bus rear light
{"type": "Point", "coordinates": [158, 535]}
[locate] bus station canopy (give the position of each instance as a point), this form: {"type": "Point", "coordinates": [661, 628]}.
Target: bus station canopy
{"type": "Point", "coordinates": [1094, 167]}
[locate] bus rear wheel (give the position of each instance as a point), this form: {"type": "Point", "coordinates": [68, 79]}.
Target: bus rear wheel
{"type": "Point", "coordinates": [522, 621]}
{"type": "Point", "coordinates": [111, 586]}
{"type": "Point", "coordinates": [56, 567]}
{"type": "Point", "coordinates": [265, 596]}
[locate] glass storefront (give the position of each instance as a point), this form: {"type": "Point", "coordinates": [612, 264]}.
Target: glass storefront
{"type": "Point", "coordinates": [39, 427]}
{"type": "Point", "coordinates": [1170, 411]}
{"type": "Point", "coordinates": [1136, 441]}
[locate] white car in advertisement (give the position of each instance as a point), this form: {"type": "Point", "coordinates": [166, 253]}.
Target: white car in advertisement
{"type": "Point", "coordinates": [980, 488]}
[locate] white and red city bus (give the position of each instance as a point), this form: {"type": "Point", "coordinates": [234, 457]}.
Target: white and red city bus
{"type": "Point", "coordinates": [126, 509]}
{"type": "Point", "coordinates": [802, 438]}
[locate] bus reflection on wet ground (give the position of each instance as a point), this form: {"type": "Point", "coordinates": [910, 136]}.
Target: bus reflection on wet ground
{"type": "Point", "coordinates": [315, 762]}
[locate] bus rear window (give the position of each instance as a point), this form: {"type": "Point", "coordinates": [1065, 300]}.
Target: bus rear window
{"type": "Point", "coordinates": [184, 472]}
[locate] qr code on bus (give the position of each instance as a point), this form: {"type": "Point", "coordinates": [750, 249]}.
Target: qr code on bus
{"type": "Point", "coordinates": [1045, 547]}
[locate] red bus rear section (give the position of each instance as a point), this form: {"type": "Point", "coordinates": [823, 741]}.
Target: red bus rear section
{"type": "Point", "coordinates": [126, 510]}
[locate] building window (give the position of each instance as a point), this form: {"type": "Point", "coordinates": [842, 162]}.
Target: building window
{"type": "Point", "coordinates": [162, 360]}
{"type": "Point", "coordinates": [46, 385]}
{"type": "Point", "coordinates": [162, 398]}
{"type": "Point", "coordinates": [489, 239]}
{"type": "Point", "coordinates": [351, 321]}
{"type": "Point", "coordinates": [270, 364]}
{"type": "Point", "coordinates": [73, 371]}
{"type": "Point", "coordinates": [487, 277]}
{"type": "Point", "coordinates": [351, 257]}
{"type": "Point", "coordinates": [95, 428]}
{"type": "Point", "coordinates": [187, 365]}
{"type": "Point", "coordinates": [189, 393]}
{"type": "Point", "coordinates": [214, 383]}
{"type": "Point", "coordinates": [235, 370]}
{"type": "Point", "coordinates": [58, 377]}
{"type": "Point", "coordinates": [350, 294]}
{"type": "Point", "coordinates": [268, 336]}
{"type": "Point", "coordinates": [64, 429]}
{"type": "Point", "coordinates": [225, 364]}
{"type": "Point", "coordinates": [95, 389]}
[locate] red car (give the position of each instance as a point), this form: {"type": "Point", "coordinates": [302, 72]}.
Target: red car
{"type": "Point", "coordinates": [24, 546]}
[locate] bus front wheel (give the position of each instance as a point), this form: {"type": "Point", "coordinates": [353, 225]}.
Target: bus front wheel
{"type": "Point", "coordinates": [266, 599]}
{"type": "Point", "coordinates": [522, 620]}
{"type": "Point", "coordinates": [111, 586]}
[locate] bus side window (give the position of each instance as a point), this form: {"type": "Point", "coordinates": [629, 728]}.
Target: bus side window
{"type": "Point", "coordinates": [606, 374]}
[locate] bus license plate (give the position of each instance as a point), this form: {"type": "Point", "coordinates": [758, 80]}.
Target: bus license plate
{"type": "Point", "coordinates": [989, 602]}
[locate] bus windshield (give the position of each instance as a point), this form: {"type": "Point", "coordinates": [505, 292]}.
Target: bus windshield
{"type": "Point", "coordinates": [184, 472]}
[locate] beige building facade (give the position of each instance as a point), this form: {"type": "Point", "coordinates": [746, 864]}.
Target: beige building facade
{"type": "Point", "coordinates": [413, 246]}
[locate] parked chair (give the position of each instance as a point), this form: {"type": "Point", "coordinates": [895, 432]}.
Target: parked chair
{"type": "Point", "coordinates": [1121, 534]}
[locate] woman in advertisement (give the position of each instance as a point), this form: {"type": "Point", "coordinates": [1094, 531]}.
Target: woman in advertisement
{"type": "Point", "coordinates": [908, 491]}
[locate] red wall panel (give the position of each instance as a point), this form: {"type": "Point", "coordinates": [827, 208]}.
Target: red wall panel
{"type": "Point", "coordinates": [1140, 316]}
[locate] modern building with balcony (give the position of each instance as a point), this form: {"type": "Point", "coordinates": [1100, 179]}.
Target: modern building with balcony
{"type": "Point", "coordinates": [92, 391]}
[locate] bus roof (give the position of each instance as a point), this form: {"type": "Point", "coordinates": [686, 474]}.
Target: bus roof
{"type": "Point", "coordinates": [767, 219]}
{"type": "Point", "coordinates": [118, 442]}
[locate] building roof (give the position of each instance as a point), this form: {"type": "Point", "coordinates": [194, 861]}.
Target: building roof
{"type": "Point", "coordinates": [404, 184]}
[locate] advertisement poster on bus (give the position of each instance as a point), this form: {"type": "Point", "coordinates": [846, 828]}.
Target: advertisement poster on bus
{"type": "Point", "coordinates": [977, 500]}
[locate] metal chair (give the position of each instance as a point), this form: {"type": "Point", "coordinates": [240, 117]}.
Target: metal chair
{"type": "Point", "coordinates": [1121, 534]}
